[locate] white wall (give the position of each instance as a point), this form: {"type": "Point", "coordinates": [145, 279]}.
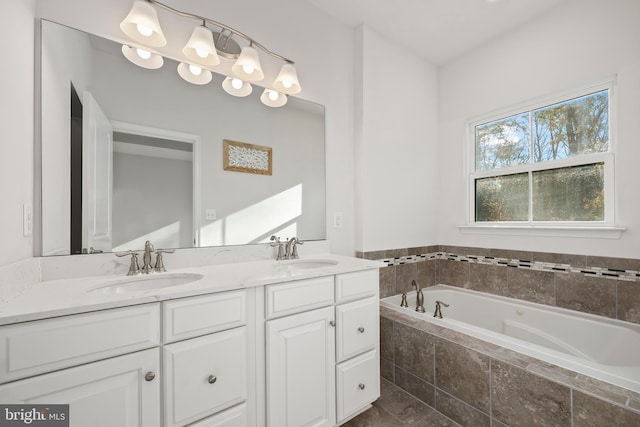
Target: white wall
{"type": "Point", "coordinates": [397, 147]}
{"type": "Point", "coordinates": [16, 122]}
{"type": "Point", "coordinates": [580, 42]}
{"type": "Point", "coordinates": [323, 60]}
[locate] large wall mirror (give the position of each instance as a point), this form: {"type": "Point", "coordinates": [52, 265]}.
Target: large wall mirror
{"type": "Point", "coordinates": [130, 154]}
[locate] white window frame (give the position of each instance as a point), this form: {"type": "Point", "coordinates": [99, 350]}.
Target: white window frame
{"type": "Point", "coordinates": [606, 228]}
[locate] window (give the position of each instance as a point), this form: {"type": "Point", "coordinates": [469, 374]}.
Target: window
{"type": "Point", "coordinates": [550, 163]}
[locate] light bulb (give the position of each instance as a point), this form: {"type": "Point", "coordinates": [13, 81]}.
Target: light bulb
{"type": "Point", "coordinates": [236, 83]}
{"type": "Point", "coordinates": [144, 30]}
{"type": "Point", "coordinates": [287, 83]}
{"type": "Point", "coordinates": [248, 69]}
{"type": "Point", "coordinates": [273, 95]}
{"type": "Point", "coordinates": [202, 53]}
{"type": "Point", "coordinates": [144, 54]}
{"type": "Point", "coordinates": [195, 70]}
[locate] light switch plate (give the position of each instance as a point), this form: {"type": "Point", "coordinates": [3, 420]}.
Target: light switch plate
{"type": "Point", "coordinates": [27, 220]}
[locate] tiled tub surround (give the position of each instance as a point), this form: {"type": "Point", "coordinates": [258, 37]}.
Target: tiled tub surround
{"type": "Point", "coordinates": [598, 285]}
{"type": "Point", "coordinates": [476, 383]}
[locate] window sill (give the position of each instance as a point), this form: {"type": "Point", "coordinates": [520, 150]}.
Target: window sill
{"type": "Point", "coordinates": [599, 232]}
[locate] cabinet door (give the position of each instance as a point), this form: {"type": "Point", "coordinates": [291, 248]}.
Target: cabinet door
{"type": "Point", "coordinates": [358, 383]}
{"type": "Point", "coordinates": [301, 370]}
{"type": "Point", "coordinates": [205, 375]}
{"type": "Point", "coordinates": [113, 392]}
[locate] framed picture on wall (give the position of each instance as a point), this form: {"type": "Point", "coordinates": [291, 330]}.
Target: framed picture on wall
{"type": "Point", "coordinates": [243, 157]}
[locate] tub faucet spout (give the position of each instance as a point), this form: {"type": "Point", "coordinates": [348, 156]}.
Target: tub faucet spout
{"type": "Point", "coordinates": [438, 312]}
{"type": "Point", "coordinates": [419, 297]}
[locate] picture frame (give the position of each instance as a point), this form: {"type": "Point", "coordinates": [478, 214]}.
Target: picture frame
{"type": "Point", "coordinates": [249, 158]}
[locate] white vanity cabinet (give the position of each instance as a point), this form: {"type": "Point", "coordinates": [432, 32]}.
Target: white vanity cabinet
{"type": "Point", "coordinates": [322, 349]}
{"type": "Point", "coordinates": [49, 361]}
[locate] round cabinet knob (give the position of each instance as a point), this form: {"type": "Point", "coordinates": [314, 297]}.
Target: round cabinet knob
{"type": "Point", "coordinates": [150, 376]}
{"type": "Point", "coordinates": [332, 323]}
{"type": "Point", "coordinates": [361, 386]}
{"type": "Point", "coordinates": [361, 330]}
{"type": "Point", "coordinates": [212, 379]}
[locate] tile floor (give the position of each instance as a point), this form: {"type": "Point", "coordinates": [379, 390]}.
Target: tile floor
{"type": "Point", "coordinates": [397, 408]}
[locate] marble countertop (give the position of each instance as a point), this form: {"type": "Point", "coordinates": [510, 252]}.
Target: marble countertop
{"type": "Point", "coordinates": [61, 297]}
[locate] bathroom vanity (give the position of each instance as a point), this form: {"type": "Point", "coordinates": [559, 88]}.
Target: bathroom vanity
{"type": "Point", "coordinates": [261, 343]}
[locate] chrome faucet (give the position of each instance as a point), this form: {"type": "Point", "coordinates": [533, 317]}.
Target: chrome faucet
{"type": "Point", "coordinates": [146, 258]}
{"type": "Point", "coordinates": [438, 312]}
{"type": "Point", "coordinates": [419, 297]}
{"type": "Point", "coordinates": [134, 268]}
{"type": "Point", "coordinates": [277, 243]}
{"type": "Point", "coordinates": [291, 249]}
{"type": "Point", "coordinates": [159, 267]}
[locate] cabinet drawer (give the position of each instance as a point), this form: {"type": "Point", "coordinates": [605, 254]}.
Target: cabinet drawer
{"type": "Point", "coordinates": [357, 327]}
{"type": "Point", "coordinates": [232, 417]}
{"type": "Point", "coordinates": [201, 315]}
{"type": "Point", "coordinates": [358, 383]}
{"type": "Point", "coordinates": [302, 295]}
{"type": "Point", "coordinates": [41, 346]}
{"type": "Point", "coordinates": [205, 375]}
{"type": "Point", "coordinates": [360, 284]}
{"type": "Point", "coordinates": [112, 392]}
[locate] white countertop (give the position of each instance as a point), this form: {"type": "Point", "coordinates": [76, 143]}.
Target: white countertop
{"type": "Point", "coordinates": [61, 297]}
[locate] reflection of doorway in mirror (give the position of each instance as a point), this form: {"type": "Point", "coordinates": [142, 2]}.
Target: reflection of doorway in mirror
{"type": "Point", "coordinates": [153, 188]}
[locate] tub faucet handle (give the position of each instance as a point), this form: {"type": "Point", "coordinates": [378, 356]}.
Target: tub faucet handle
{"type": "Point", "coordinates": [404, 303]}
{"type": "Point", "coordinates": [438, 312]}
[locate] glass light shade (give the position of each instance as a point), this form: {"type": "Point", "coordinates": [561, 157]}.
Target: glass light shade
{"type": "Point", "coordinates": [272, 98]}
{"type": "Point", "coordinates": [143, 19]}
{"type": "Point", "coordinates": [194, 74]}
{"type": "Point", "coordinates": [200, 48]}
{"type": "Point", "coordinates": [287, 80]}
{"type": "Point", "coordinates": [236, 87]}
{"type": "Point", "coordinates": [142, 58]}
{"type": "Point", "coordinates": [247, 66]}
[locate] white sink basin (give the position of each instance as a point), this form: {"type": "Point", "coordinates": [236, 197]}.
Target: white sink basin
{"type": "Point", "coordinates": [303, 264]}
{"type": "Point", "coordinates": [146, 282]}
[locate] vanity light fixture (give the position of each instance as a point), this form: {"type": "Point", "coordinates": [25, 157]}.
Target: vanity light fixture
{"type": "Point", "coordinates": [203, 52]}
{"type": "Point", "coordinates": [236, 87]}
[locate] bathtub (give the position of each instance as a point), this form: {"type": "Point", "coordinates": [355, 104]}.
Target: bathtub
{"type": "Point", "coordinates": [606, 349]}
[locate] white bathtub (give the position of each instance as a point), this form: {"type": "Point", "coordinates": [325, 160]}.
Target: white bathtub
{"type": "Point", "coordinates": [596, 346]}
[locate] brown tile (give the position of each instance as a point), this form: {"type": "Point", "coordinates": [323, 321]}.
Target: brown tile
{"type": "Point", "coordinates": [521, 398]}
{"type": "Point", "coordinates": [414, 351]}
{"type": "Point", "coordinates": [374, 417]}
{"type": "Point", "coordinates": [572, 260]}
{"type": "Point", "coordinates": [459, 411]}
{"type": "Point", "coordinates": [629, 301]}
{"type": "Point", "coordinates": [465, 250]}
{"type": "Point", "coordinates": [401, 404]}
{"type": "Point", "coordinates": [386, 339]}
{"type": "Point", "coordinates": [395, 253]}
{"type": "Point", "coordinates": [463, 373]}
{"type": "Point", "coordinates": [387, 281]}
{"type": "Point", "coordinates": [530, 285]}
{"type": "Point", "coordinates": [512, 254]}
{"type": "Point", "coordinates": [434, 420]}
{"type": "Point", "coordinates": [418, 388]}
{"type": "Point", "coordinates": [589, 294]}
{"type": "Point", "coordinates": [426, 273]}
{"type": "Point", "coordinates": [405, 273]}
{"type": "Point", "coordinates": [488, 278]}
{"type": "Point", "coordinates": [454, 273]}
{"type": "Point", "coordinates": [590, 411]}
{"type": "Point", "coordinates": [615, 263]}
{"type": "Point", "coordinates": [375, 255]}
{"type": "Point", "coordinates": [387, 370]}
{"type": "Point", "coordinates": [419, 250]}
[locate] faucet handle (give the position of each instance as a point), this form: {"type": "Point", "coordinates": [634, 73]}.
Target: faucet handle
{"type": "Point", "coordinates": [280, 245]}
{"type": "Point", "coordinates": [134, 268]}
{"type": "Point", "coordinates": [294, 250]}
{"type": "Point", "coordinates": [159, 267]}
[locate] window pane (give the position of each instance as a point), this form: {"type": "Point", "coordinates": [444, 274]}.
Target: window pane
{"type": "Point", "coordinates": [569, 194]}
{"type": "Point", "coordinates": [572, 128]}
{"type": "Point", "coordinates": [504, 142]}
{"type": "Point", "coordinates": [503, 198]}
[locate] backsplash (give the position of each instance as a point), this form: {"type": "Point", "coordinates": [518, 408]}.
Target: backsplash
{"type": "Point", "coordinates": [598, 285]}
